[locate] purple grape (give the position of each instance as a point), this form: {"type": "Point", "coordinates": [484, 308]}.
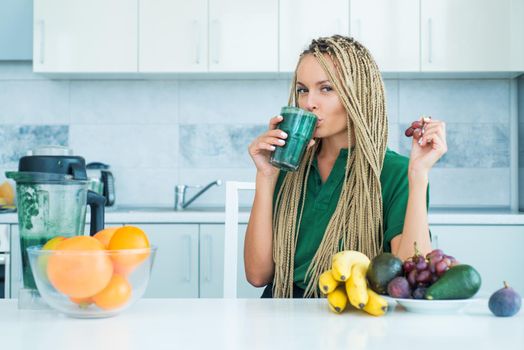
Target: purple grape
{"type": "Point", "coordinates": [435, 253]}
{"type": "Point", "coordinates": [441, 267]}
{"type": "Point", "coordinates": [421, 265]}
{"type": "Point", "coordinates": [419, 293]}
{"type": "Point", "coordinates": [408, 266]}
{"type": "Point", "coordinates": [412, 277]}
{"type": "Point", "coordinates": [447, 260]}
{"type": "Point", "coordinates": [424, 276]}
{"type": "Point", "coordinates": [434, 278]}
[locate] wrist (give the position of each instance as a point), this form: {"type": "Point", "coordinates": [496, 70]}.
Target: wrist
{"type": "Point", "coordinates": [266, 179]}
{"type": "Point", "coordinates": [417, 176]}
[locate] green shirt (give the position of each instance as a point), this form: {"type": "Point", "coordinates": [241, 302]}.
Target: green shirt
{"type": "Point", "coordinates": [322, 199]}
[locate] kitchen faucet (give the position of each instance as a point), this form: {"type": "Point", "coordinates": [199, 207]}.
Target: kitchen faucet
{"type": "Point", "coordinates": [180, 194]}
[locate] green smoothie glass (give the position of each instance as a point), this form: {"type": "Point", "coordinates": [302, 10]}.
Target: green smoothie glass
{"type": "Point", "coordinates": [299, 125]}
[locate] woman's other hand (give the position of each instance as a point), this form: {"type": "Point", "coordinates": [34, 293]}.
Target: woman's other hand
{"type": "Point", "coordinates": [428, 145]}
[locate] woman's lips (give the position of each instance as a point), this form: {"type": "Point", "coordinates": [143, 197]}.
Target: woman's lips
{"type": "Point", "coordinates": [319, 121]}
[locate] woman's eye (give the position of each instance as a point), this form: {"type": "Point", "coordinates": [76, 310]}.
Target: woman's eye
{"type": "Point", "coordinates": [326, 88]}
{"type": "Point", "coordinates": [301, 90]}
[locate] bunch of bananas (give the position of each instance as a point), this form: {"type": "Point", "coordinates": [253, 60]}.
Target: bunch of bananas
{"type": "Point", "coordinates": [346, 281]}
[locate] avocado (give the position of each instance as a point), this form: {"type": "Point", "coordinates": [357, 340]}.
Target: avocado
{"type": "Point", "coordinates": [382, 269]}
{"type": "Point", "coordinates": [459, 282]}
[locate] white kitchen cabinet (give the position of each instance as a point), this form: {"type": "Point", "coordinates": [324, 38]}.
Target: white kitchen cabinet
{"type": "Point", "coordinates": [390, 30]}
{"type": "Point", "coordinates": [472, 35]}
{"type": "Point", "coordinates": [494, 250]}
{"type": "Point", "coordinates": [243, 36]}
{"type": "Point", "coordinates": [173, 36]}
{"type": "Point", "coordinates": [175, 269]}
{"type": "Point", "coordinates": [304, 20]}
{"type": "Point", "coordinates": [85, 36]}
{"type": "Point", "coordinates": [212, 263]}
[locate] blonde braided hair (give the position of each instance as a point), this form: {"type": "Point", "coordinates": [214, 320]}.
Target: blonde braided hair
{"type": "Point", "coordinates": [356, 223]}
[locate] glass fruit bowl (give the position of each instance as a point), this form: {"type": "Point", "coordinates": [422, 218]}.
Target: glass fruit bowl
{"type": "Point", "coordinates": [88, 283]}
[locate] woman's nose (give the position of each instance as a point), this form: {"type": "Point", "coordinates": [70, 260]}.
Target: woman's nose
{"type": "Point", "coordinates": [311, 103]}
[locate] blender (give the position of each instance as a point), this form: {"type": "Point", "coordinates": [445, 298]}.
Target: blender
{"type": "Point", "coordinates": [52, 198]}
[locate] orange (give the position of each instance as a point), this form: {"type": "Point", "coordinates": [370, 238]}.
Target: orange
{"type": "Point", "coordinates": [79, 267]}
{"type": "Point", "coordinates": [42, 259]}
{"type": "Point", "coordinates": [115, 294]}
{"type": "Point", "coordinates": [104, 236]}
{"type": "Point", "coordinates": [125, 238]}
{"type": "Point", "coordinates": [82, 302]}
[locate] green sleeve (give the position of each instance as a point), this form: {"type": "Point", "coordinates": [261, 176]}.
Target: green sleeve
{"type": "Point", "coordinates": [395, 211]}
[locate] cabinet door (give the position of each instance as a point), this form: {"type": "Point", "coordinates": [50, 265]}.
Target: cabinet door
{"type": "Point", "coordinates": [175, 269]}
{"type": "Point", "coordinates": [495, 251]}
{"type": "Point", "coordinates": [470, 35]}
{"type": "Point", "coordinates": [212, 263]}
{"type": "Point", "coordinates": [85, 36]}
{"type": "Point", "coordinates": [173, 36]}
{"type": "Point", "coordinates": [304, 20]}
{"type": "Point", "coordinates": [243, 36]}
{"type": "Point", "coordinates": [390, 31]}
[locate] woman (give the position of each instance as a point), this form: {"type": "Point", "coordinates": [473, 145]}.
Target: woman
{"type": "Point", "coordinates": [350, 192]}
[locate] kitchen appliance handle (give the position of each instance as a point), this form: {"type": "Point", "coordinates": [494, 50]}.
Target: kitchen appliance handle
{"type": "Point", "coordinates": [216, 39]}
{"type": "Point", "coordinates": [430, 41]}
{"type": "Point", "coordinates": [196, 32]}
{"type": "Point", "coordinates": [187, 240]}
{"type": "Point", "coordinates": [96, 202]}
{"type": "Point", "coordinates": [41, 25]}
{"type": "Point", "coordinates": [208, 242]}
{"type": "Point", "coordinates": [4, 263]}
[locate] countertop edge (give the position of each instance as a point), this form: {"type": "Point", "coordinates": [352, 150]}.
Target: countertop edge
{"type": "Point", "coordinates": [219, 218]}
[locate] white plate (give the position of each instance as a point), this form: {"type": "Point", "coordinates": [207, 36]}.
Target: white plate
{"type": "Point", "coordinates": [432, 306]}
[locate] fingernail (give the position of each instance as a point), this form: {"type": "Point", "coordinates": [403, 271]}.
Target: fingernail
{"type": "Point", "coordinates": [283, 134]}
{"type": "Point", "coordinates": [420, 141]}
{"type": "Point", "coordinates": [281, 142]}
{"type": "Point", "coordinates": [272, 148]}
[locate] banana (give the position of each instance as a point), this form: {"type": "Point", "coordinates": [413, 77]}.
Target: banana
{"type": "Point", "coordinates": [376, 306]}
{"type": "Point", "coordinates": [327, 283]}
{"type": "Point", "coordinates": [337, 300]}
{"type": "Point", "coordinates": [356, 286]}
{"type": "Point", "coordinates": [343, 262]}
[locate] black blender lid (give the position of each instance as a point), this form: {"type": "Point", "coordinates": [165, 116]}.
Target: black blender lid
{"type": "Point", "coordinates": [50, 168]}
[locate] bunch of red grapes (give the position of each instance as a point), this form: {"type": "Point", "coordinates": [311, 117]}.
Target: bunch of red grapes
{"type": "Point", "coordinates": [419, 273]}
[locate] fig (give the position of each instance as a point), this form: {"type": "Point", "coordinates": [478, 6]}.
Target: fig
{"type": "Point", "coordinates": [505, 302]}
{"type": "Point", "coordinates": [399, 287]}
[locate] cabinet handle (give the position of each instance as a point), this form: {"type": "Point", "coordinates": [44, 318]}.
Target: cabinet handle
{"type": "Point", "coordinates": [216, 41]}
{"type": "Point", "coordinates": [187, 240]}
{"type": "Point", "coordinates": [430, 41]}
{"type": "Point", "coordinates": [208, 242]}
{"type": "Point", "coordinates": [41, 27]}
{"type": "Point", "coordinates": [196, 33]}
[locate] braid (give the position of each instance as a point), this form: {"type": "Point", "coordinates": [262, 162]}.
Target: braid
{"type": "Point", "coordinates": [356, 223]}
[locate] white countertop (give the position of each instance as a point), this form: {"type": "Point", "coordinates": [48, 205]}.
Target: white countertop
{"type": "Point", "coordinates": [213, 215]}
{"type": "Point", "coordinates": [258, 324]}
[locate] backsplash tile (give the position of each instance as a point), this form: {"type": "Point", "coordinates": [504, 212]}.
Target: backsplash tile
{"type": "Point", "coordinates": [124, 102]}
{"type": "Point", "coordinates": [34, 102]}
{"type": "Point", "coordinates": [131, 145]}
{"type": "Point", "coordinates": [465, 101]}
{"type": "Point", "coordinates": [217, 145]}
{"type": "Point", "coordinates": [18, 139]}
{"type": "Point", "coordinates": [231, 101]}
{"type": "Point", "coordinates": [480, 145]}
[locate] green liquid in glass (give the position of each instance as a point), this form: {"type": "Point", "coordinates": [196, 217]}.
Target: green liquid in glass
{"type": "Point", "coordinates": [29, 281]}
